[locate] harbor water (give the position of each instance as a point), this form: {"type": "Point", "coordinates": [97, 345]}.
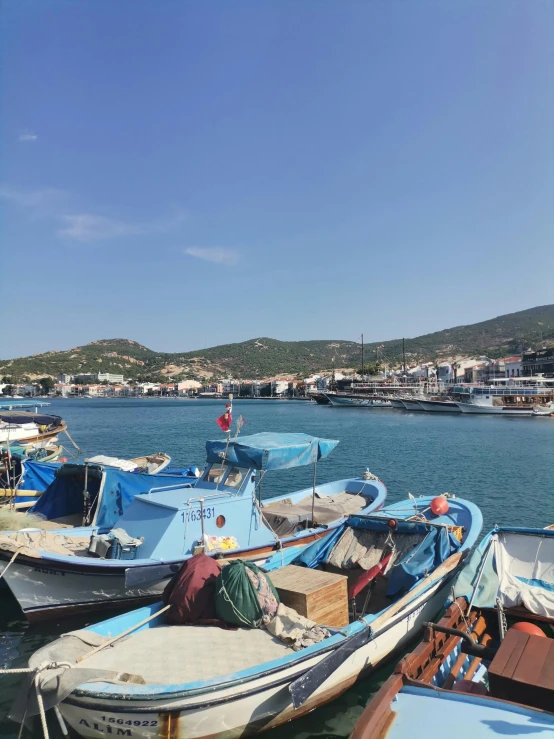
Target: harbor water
{"type": "Point", "coordinates": [503, 464]}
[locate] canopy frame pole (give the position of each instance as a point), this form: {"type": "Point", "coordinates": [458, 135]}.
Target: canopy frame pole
{"type": "Point", "coordinates": [313, 492]}
{"type": "Point", "coordinates": [86, 497]}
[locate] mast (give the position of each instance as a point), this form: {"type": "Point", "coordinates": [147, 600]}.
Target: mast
{"type": "Point", "coordinates": [404, 356]}
{"type": "Point", "coordinates": [362, 358]}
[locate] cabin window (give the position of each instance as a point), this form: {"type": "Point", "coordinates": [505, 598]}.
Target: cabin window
{"type": "Point", "coordinates": [235, 477]}
{"type": "Point", "coordinates": [215, 473]}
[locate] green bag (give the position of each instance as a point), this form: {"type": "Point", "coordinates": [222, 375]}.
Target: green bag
{"type": "Point", "coordinates": [244, 595]}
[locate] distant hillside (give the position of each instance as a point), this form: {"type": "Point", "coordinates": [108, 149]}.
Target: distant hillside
{"type": "Point", "coordinates": [263, 357]}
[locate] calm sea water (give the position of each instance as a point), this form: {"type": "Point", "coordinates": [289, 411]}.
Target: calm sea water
{"type": "Point", "coordinates": [505, 465]}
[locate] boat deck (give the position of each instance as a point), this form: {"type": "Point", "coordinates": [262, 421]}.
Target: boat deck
{"type": "Point", "coordinates": [462, 716]}
{"type": "Point", "coordinates": [327, 508]}
{"type": "Point", "coordinates": [168, 655]}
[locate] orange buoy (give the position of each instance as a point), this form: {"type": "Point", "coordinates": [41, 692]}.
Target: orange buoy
{"type": "Point", "coordinates": [528, 628]}
{"type": "Point", "coordinates": [62, 459]}
{"type": "Point", "coordinates": [439, 506]}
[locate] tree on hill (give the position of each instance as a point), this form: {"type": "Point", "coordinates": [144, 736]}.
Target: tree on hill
{"type": "Point", "coordinates": [46, 384]}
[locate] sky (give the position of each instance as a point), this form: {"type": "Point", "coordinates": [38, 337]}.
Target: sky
{"type": "Point", "coordinates": [192, 173]}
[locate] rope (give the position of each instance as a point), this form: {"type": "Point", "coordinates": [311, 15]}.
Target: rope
{"type": "Point", "coordinates": [455, 602]}
{"type": "Point", "coordinates": [40, 702]}
{"type": "Point", "coordinates": [71, 440]}
{"type": "Point", "coordinates": [9, 563]}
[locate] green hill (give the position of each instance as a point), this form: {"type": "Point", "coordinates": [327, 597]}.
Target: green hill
{"type": "Point", "coordinates": [264, 357]}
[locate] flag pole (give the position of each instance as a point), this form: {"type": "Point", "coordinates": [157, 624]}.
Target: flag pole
{"type": "Point", "coordinates": [230, 409]}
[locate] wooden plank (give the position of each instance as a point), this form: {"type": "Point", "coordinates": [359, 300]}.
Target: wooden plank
{"type": "Point", "coordinates": [529, 667]}
{"type": "Point", "coordinates": [509, 653]}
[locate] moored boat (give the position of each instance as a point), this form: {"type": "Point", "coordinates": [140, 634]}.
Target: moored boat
{"type": "Point", "coordinates": [225, 513]}
{"type": "Point", "coordinates": [412, 404]}
{"type": "Point", "coordinates": [397, 403]}
{"type": "Point", "coordinates": [507, 400]}
{"type": "Point", "coordinates": [357, 401]}
{"type": "Point", "coordinates": [436, 405]}
{"type": "Point", "coordinates": [149, 463]}
{"type": "Point", "coordinates": [486, 668]}
{"type": "Point", "coordinates": [18, 426]}
{"type": "Point", "coordinates": [397, 567]}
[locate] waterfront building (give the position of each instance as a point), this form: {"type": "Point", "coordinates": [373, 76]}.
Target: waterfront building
{"type": "Point", "coordinates": [540, 362]}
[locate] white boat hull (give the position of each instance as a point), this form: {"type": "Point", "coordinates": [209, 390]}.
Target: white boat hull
{"type": "Point", "coordinates": [412, 405]}
{"type": "Point", "coordinates": [348, 402]}
{"type": "Point", "coordinates": [251, 705]}
{"type": "Point", "coordinates": [439, 406]}
{"type": "Point", "coordinates": [498, 410]}
{"type": "Point", "coordinates": [397, 404]}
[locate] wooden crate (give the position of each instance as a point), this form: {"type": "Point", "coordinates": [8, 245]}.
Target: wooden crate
{"type": "Point", "coordinates": [319, 596]}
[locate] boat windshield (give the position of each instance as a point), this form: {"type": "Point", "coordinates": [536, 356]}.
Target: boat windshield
{"type": "Point", "coordinates": [230, 476]}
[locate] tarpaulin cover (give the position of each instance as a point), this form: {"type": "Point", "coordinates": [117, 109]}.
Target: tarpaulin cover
{"type": "Point", "coordinates": [413, 565]}
{"type": "Point", "coordinates": [515, 565]}
{"type": "Point", "coordinates": [19, 417]}
{"type": "Point", "coordinates": [38, 475]}
{"type": "Point", "coordinates": [437, 546]}
{"type": "Point", "coordinates": [269, 451]}
{"type": "Point", "coordinates": [64, 497]}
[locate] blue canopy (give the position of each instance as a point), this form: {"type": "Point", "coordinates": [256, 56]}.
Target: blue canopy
{"type": "Point", "coordinates": [269, 451]}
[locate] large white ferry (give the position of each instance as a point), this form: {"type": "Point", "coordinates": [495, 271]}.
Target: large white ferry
{"type": "Point", "coordinates": [522, 399]}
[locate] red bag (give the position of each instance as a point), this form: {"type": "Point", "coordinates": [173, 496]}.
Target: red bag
{"type": "Point", "coordinates": [191, 592]}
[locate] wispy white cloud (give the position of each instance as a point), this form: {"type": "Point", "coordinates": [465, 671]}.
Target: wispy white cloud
{"type": "Point", "coordinates": [90, 227]}
{"type": "Point", "coordinates": [218, 255]}
{"type": "Point", "coordinates": [42, 202]}
{"type": "Point", "coordinates": [27, 136]}
{"type": "Point", "coordinates": [53, 204]}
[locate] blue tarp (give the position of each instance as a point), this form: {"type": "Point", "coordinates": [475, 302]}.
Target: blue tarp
{"type": "Point", "coordinates": [64, 497]}
{"type": "Point", "coordinates": [268, 451]}
{"type": "Point", "coordinates": [437, 546]}
{"type": "Point", "coordinates": [38, 475]}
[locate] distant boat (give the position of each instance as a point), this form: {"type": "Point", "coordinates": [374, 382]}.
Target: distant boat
{"type": "Point", "coordinates": [412, 404]}
{"type": "Point", "coordinates": [320, 398]}
{"type": "Point", "coordinates": [150, 463]}
{"type": "Point", "coordinates": [437, 405]}
{"type": "Point", "coordinates": [26, 427]}
{"type": "Point", "coordinates": [226, 509]}
{"type": "Point", "coordinates": [357, 401]}
{"type": "Point", "coordinates": [391, 572]}
{"type": "Point", "coordinates": [513, 400]}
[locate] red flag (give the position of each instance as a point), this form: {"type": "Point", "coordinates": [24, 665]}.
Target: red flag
{"type": "Point", "coordinates": [224, 422]}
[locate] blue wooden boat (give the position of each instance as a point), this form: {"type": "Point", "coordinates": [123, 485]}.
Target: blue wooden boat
{"type": "Point", "coordinates": [487, 667]}
{"type": "Point", "coordinates": [226, 514]}
{"type": "Point", "coordinates": [204, 681]}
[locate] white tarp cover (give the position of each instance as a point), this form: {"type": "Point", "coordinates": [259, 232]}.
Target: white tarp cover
{"type": "Point", "coordinates": [525, 567]}
{"type": "Point", "coordinates": [122, 464]}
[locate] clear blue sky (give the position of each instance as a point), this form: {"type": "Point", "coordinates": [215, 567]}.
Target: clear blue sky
{"type": "Point", "coordinates": [194, 173]}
